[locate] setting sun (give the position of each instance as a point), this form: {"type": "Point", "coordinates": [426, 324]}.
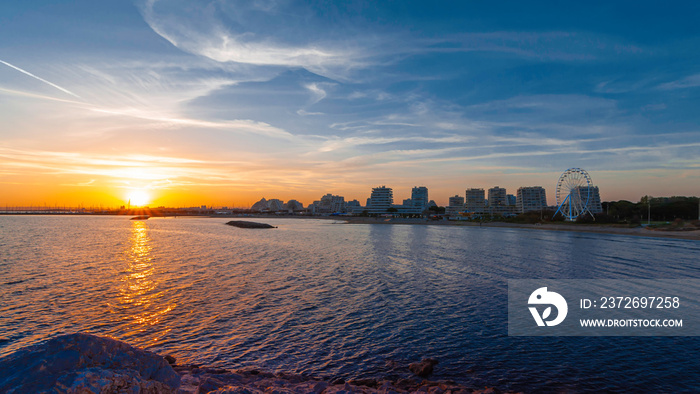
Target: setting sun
{"type": "Point", "coordinates": [139, 198]}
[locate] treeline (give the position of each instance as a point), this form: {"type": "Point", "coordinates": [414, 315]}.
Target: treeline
{"type": "Point", "coordinates": [663, 209]}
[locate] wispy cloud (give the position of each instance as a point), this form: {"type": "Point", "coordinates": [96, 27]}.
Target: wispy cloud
{"type": "Point", "coordinates": [200, 31]}
{"type": "Point", "coordinates": [317, 91]}
{"type": "Point", "coordinates": [684, 83]}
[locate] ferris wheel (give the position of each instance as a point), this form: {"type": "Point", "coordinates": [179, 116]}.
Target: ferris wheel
{"type": "Point", "coordinates": [573, 193]}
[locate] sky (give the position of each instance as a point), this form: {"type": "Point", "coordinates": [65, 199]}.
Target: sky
{"type": "Point", "coordinates": [225, 102]}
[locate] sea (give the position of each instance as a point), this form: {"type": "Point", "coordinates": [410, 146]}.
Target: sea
{"type": "Point", "coordinates": [333, 300]}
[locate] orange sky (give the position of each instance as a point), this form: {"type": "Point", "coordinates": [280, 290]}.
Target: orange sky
{"type": "Point", "coordinates": [177, 102]}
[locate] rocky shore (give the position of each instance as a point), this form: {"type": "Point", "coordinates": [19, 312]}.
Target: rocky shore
{"type": "Point", "coordinates": [85, 363]}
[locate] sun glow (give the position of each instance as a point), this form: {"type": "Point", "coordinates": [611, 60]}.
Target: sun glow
{"type": "Point", "coordinates": [139, 198]}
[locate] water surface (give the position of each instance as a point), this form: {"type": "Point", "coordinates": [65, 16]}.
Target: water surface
{"type": "Point", "coordinates": [329, 299]}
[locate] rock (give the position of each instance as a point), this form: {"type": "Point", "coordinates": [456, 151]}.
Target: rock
{"type": "Point", "coordinates": [364, 382]}
{"type": "Point", "coordinates": [423, 368]}
{"type": "Point", "coordinates": [170, 359]}
{"type": "Point", "coordinates": [85, 363]}
{"type": "Point", "coordinates": [209, 384]}
{"type": "Point", "coordinates": [246, 224]}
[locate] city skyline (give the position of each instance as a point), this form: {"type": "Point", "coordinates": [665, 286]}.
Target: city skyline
{"type": "Point", "coordinates": [221, 103]}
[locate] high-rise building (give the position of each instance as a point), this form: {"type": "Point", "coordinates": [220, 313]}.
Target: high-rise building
{"type": "Point", "coordinates": [381, 199]}
{"type": "Point", "coordinates": [532, 198]}
{"type": "Point", "coordinates": [594, 203]}
{"type": "Point", "coordinates": [419, 198]}
{"type": "Point", "coordinates": [455, 205]}
{"type": "Point", "coordinates": [511, 200]}
{"type": "Point", "coordinates": [498, 201]}
{"type": "Point", "coordinates": [475, 201]}
{"type": "Point", "coordinates": [456, 201]}
{"type": "Point", "coordinates": [338, 204]}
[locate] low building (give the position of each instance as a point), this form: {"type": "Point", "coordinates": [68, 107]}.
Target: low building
{"type": "Point", "coordinates": [260, 206]}
{"type": "Point", "coordinates": [328, 204]}
{"type": "Point", "coordinates": [294, 206]}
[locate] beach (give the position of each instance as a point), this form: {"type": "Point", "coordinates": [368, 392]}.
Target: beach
{"type": "Point", "coordinates": [617, 229]}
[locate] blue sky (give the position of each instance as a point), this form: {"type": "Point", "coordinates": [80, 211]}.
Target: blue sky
{"type": "Point", "coordinates": [224, 102]}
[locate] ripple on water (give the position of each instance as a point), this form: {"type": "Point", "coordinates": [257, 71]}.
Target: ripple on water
{"type": "Point", "coordinates": [334, 300]}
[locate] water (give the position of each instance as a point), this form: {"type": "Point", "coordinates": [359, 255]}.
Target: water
{"type": "Point", "coordinates": [330, 300]}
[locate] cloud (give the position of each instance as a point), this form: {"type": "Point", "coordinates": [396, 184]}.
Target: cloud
{"type": "Point", "coordinates": [240, 125]}
{"type": "Point", "coordinates": [199, 28]}
{"type": "Point", "coordinates": [691, 81]}
{"type": "Point", "coordinates": [317, 91]}
{"type": "Point", "coordinates": [301, 112]}
{"type": "Point", "coordinates": [40, 79]}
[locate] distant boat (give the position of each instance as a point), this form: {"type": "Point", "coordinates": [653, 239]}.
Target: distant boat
{"type": "Point", "coordinates": [142, 217]}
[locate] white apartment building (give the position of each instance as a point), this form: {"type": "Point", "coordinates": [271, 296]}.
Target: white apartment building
{"type": "Point", "coordinates": [475, 201]}
{"type": "Point", "coordinates": [531, 198]}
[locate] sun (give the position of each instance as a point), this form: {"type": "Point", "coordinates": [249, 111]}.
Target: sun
{"type": "Point", "coordinates": [139, 198]}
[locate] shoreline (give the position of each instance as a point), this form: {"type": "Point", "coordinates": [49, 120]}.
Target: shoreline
{"type": "Point", "coordinates": [610, 229]}
{"type": "Point", "coordinates": [83, 362]}
{"type": "Point", "coordinates": [582, 228]}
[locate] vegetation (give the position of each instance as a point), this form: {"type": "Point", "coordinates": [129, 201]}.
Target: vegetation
{"type": "Point", "coordinates": [665, 211]}
{"type": "Point", "coordinates": [435, 210]}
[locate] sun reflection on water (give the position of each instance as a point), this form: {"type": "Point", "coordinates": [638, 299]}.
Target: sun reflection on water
{"type": "Point", "coordinates": [141, 297]}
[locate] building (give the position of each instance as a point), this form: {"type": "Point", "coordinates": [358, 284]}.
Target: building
{"type": "Point", "coordinates": [498, 201]}
{"type": "Point", "coordinates": [594, 204]}
{"type": "Point", "coordinates": [275, 205]}
{"type": "Point", "coordinates": [260, 206]}
{"type": "Point", "coordinates": [475, 201]}
{"type": "Point", "coordinates": [455, 206]}
{"type": "Point", "coordinates": [338, 204]}
{"type": "Point", "coordinates": [353, 207]}
{"type": "Point", "coordinates": [328, 204]}
{"type": "Point", "coordinates": [512, 201]}
{"type": "Point", "coordinates": [419, 198]}
{"type": "Point", "coordinates": [294, 205]}
{"type": "Point", "coordinates": [381, 199]}
{"type": "Point", "coordinates": [531, 198]}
